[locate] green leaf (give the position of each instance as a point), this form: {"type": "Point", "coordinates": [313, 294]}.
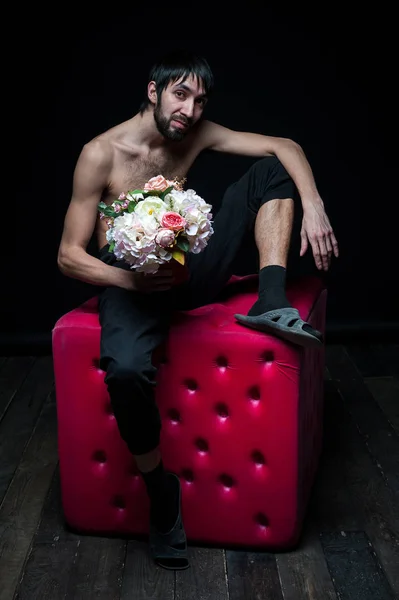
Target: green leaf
{"type": "Point", "coordinates": [165, 192]}
{"type": "Point", "coordinates": [102, 206]}
{"type": "Point", "coordinates": [183, 244]}
{"type": "Point", "coordinates": [152, 193]}
{"type": "Point", "coordinates": [131, 207]}
{"type": "Point", "coordinates": [111, 247]}
{"type": "Point", "coordinates": [109, 212]}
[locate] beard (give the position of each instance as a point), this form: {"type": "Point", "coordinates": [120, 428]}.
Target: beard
{"type": "Point", "coordinates": [164, 128]}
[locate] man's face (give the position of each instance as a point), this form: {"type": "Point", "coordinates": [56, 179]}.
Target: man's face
{"type": "Point", "coordinates": [179, 108]}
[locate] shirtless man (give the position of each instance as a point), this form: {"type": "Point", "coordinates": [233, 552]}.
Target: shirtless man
{"type": "Point", "coordinates": [165, 137]}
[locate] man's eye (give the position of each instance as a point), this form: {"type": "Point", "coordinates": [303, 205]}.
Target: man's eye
{"type": "Point", "coordinates": [180, 94]}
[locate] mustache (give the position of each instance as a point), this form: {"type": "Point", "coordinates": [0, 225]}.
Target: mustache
{"type": "Point", "coordinates": [181, 119]}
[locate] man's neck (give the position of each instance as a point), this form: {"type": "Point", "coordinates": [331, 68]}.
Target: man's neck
{"type": "Point", "coordinates": [146, 132]}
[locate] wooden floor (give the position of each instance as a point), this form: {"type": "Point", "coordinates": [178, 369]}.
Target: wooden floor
{"type": "Point", "coordinates": [350, 544]}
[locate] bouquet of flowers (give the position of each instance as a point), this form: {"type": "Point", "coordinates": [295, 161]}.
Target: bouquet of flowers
{"type": "Point", "coordinates": [152, 226]}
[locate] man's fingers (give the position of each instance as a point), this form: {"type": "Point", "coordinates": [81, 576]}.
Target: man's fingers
{"type": "Point", "coordinates": [323, 252]}
{"type": "Point", "coordinates": [304, 243]}
{"type": "Point", "coordinates": [163, 283]}
{"type": "Point", "coordinates": [329, 249]}
{"type": "Point", "coordinates": [317, 253]}
{"type": "Point", "coordinates": [334, 244]}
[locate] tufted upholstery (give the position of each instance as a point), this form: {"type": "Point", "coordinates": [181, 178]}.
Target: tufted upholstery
{"type": "Point", "coordinates": [242, 423]}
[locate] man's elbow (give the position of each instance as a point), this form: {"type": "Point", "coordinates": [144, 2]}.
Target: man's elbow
{"type": "Point", "coordinates": [289, 143]}
{"type": "Point", "coordinates": [64, 260]}
{"type": "Point", "coordinates": [61, 261]}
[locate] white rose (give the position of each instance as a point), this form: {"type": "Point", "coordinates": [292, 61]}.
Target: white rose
{"type": "Point", "coordinates": [151, 207]}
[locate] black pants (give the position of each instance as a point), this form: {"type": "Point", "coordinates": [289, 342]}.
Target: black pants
{"type": "Point", "coordinates": [133, 324]}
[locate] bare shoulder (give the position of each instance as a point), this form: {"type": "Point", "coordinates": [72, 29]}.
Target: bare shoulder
{"type": "Point", "coordinates": [94, 163]}
{"type": "Point", "coordinates": [209, 134]}
{"type": "Point", "coordinates": [97, 154]}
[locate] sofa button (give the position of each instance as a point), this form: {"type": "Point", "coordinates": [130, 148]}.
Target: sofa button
{"type": "Point", "coordinates": [254, 393]}
{"type": "Point", "coordinates": [100, 456]}
{"type": "Point", "coordinates": [188, 475]}
{"type": "Point", "coordinates": [119, 502]}
{"type": "Point", "coordinates": [261, 520]}
{"type": "Point", "coordinates": [202, 445]}
{"type": "Point", "coordinates": [174, 415]}
{"type": "Point", "coordinates": [258, 458]}
{"type": "Point", "coordinates": [226, 480]}
{"type": "Point", "coordinates": [267, 356]}
{"type": "Point", "coordinates": [191, 385]}
{"type": "Point", "coordinates": [222, 410]}
{"type": "Point", "coordinates": [222, 363]}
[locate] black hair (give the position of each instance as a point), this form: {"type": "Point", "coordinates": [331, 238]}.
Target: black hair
{"type": "Point", "coordinates": [179, 64]}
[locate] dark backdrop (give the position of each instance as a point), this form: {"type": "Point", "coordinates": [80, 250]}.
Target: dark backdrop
{"type": "Point", "coordinates": [324, 80]}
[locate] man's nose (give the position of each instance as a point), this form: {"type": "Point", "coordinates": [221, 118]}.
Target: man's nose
{"type": "Point", "coordinates": [188, 108]}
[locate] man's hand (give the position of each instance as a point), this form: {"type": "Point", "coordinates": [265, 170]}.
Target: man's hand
{"type": "Point", "coordinates": [161, 281]}
{"type": "Point", "coordinates": [317, 231]}
{"type": "Point", "coordinates": [164, 279]}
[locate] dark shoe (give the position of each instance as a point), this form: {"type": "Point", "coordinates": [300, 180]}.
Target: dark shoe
{"type": "Point", "coordinates": [169, 550]}
{"type": "Point", "coordinates": [284, 323]}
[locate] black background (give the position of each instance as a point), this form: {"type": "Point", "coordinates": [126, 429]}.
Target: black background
{"type": "Point", "coordinates": [324, 78]}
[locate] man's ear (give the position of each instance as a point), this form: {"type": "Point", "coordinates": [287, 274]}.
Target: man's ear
{"type": "Point", "coordinates": [152, 92]}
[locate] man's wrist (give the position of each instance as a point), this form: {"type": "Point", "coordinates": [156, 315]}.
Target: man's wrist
{"type": "Point", "coordinates": [311, 201]}
{"type": "Point", "coordinates": [122, 278]}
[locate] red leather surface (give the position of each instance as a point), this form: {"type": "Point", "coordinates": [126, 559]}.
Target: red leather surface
{"type": "Point", "coordinates": [242, 424]}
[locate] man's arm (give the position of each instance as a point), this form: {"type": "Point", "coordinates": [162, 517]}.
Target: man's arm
{"type": "Point", "coordinates": [222, 139]}
{"type": "Point", "coordinates": [316, 227]}
{"type": "Point", "coordinates": [89, 180]}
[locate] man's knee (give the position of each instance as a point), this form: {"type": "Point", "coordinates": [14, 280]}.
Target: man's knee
{"type": "Point", "coordinates": [131, 383]}
{"type": "Point", "coordinates": [267, 164]}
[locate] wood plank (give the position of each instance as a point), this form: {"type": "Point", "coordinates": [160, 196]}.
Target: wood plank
{"type": "Point", "coordinates": [366, 360]}
{"type": "Point", "coordinates": [331, 502]}
{"type": "Point", "coordinates": [303, 572]}
{"type": "Point", "coordinates": [252, 575]}
{"type": "Point", "coordinates": [53, 554]}
{"type": "Point", "coordinates": [389, 355]}
{"type": "Point", "coordinates": [206, 579]}
{"type": "Point", "coordinates": [98, 569]}
{"type": "Point", "coordinates": [12, 376]}
{"type": "Point", "coordinates": [363, 493]}
{"type": "Point", "coordinates": [385, 391]}
{"type": "Point", "coordinates": [355, 568]}
{"type": "Point", "coordinates": [23, 502]}
{"type": "Point", "coordinates": [380, 437]}
{"type": "Point", "coordinates": [63, 564]}
{"type": "Point", "coordinates": [142, 579]}
{"type": "Point", "coordinates": [17, 425]}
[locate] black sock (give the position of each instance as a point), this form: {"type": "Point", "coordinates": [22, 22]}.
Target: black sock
{"type": "Point", "coordinates": [163, 491]}
{"type": "Point", "coordinates": [271, 290]}
{"type": "Point", "coordinates": [272, 295]}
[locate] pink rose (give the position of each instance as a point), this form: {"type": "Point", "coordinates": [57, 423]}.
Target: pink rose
{"type": "Point", "coordinates": [158, 184]}
{"type": "Point", "coordinates": [172, 220]}
{"type": "Point", "coordinates": [165, 237]}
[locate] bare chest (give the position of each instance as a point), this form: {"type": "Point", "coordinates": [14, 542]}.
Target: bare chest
{"type": "Point", "coordinates": [133, 171]}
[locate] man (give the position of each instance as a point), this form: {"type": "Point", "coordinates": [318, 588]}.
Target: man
{"type": "Point", "coordinates": [165, 137]}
